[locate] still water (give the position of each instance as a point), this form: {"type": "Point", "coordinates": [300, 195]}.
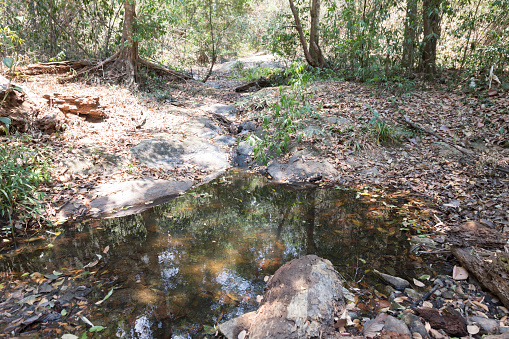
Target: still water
{"type": "Point", "coordinates": [180, 268]}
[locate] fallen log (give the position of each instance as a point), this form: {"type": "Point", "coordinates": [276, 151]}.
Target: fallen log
{"type": "Point", "coordinates": [53, 67]}
{"type": "Point", "coordinates": [254, 85]}
{"type": "Point", "coordinates": [85, 105]}
{"type": "Point", "coordinates": [490, 268]}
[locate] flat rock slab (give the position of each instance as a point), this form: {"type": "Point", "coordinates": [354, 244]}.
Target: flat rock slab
{"type": "Point", "coordinates": [169, 151]}
{"type": "Point", "coordinates": [93, 160]}
{"type": "Point", "coordinates": [299, 169]}
{"type": "Point", "coordinates": [300, 301]}
{"type": "Point", "coordinates": [106, 199]}
{"type": "Point", "coordinates": [224, 110]}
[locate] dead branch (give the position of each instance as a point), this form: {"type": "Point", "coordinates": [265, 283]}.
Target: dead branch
{"type": "Point", "coordinates": [459, 148]}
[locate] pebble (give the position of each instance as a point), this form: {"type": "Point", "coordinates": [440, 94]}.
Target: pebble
{"type": "Point", "coordinates": [394, 281]}
{"type": "Point", "coordinates": [447, 294]}
{"type": "Point", "coordinates": [395, 325]}
{"type": "Point", "coordinates": [504, 329]}
{"type": "Point", "coordinates": [414, 324]}
{"type": "Point", "coordinates": [489, 325]}
{"type": "Point", "coordinates": [413, 293]}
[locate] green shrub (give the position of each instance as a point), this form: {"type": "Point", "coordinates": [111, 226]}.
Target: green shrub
{"type": "Point", "coordinates": [22, 169]}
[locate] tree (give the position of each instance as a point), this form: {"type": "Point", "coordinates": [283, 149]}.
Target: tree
{"type": "Point", "coordinates": [431, 28]}
{"type": "Point", "coordinates": [409, 38]}
{"type": "Point", "coordinates": [313, 54]}
{"type": "Point", "coordinates": [128, 55]}
{"type": "Point", "coordinates": [127, 59]}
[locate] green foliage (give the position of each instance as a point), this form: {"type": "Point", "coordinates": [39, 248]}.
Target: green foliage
{"type": "Point", "coordinates": [22, 169]}
{"type": "Point", "coordinates": [284, 120]}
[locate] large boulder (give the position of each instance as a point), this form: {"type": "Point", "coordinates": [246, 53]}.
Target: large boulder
{"type": "Point", "coordinates": [300, 301]}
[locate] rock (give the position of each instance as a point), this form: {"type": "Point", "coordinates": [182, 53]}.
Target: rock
{"type": "Point", "coordinates": [499, 336]}
{"type": "Point", "coordinates": [414, 324]}
{"type": "Point", "coordinates": [423, 241]}
{"type": "Point", "coordinates": [106, 198]}
{"type": "Point", "coordinates": [248, 126]}
{"type": "Point", "coordinates": [489, 325]}
{"type": "Point", "coordinates": [51, 122]}
{"type": "Point", "coordinates": [299, 168]}
{"type": "Point", "coordinates": [224, 110]}
{"type": "Point", "coordinates": [170, 151]}
{"type": "Point", "coordinates": [225, 140]}
{"type": "Point", "coordinates": [448, 294]}
{"type": "Point", "coordinates": [299, 302]}
{"type": "Point", "coordinates": [395, 325]}
{"type": "Point", "coordinates": [90, 160]}
{"type": "Point", "coordinates": [232, 328]}
{"type": "Point", "coordinates": [413, 294]}
{"type": "Point", "coordinates": [243, 154]}
{"type": "Point", "coordinates": [394, 281]}
{"type": "Point", "coordinates": [202, 127]}
{"type": "Point", "coordinates": [504, 329]}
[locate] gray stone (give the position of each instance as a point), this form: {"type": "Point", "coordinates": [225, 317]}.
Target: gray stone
{"type": "Point", "coordinates": [423, 241]}
{"type": "Point", "coordinates": [504, 329]}
{"type": "Point", "coordinates": [232, 328]}
{"type": "Point", "coordinates": [414, 324]}
{"type": "Point", "coordinates": [225, 110]}
{"type": "Point", "coordinates": [140, 193]}
{"type": "Point", "coordinates": [447, 294]}
{"type": "Point", "coordinates": [92, 160]}
{"type": "Point", "coordinates": [225, 140]}
{"type": "Point", "coordinates": [170, 151]}
{"type": "Point", "coordinates": [394, 281]}
{"type": "Point", "coordinates": [248, 126]}
{"type": "Point", "coordinates": [202, 127]}
{"type": "Point", "coordinates": [489, 325]}
{"type": "Point", "coordinates": [299, 301]}
{"type": "Point", "coordinates": [413, 294]}
{"type": "Point", "coordinates": [299, 169]}
{"type": "Point", "coordinates": [498, 336]}
{"type": "Point", "coordinates": [395, 325]}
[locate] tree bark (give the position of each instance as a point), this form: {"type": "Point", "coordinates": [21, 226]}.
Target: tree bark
{"type": "Point", "coordinates": [409, 41]}
{"type": "Point", "coordinates": [128, 58]}
{"type": "Point", "coordinates": [313, 54]}
{"type": "Point", "coordinates": [431, 30]}
{"type": "Point", "coordinates": [314, 48]}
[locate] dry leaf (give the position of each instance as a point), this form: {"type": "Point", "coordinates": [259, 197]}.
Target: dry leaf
{"type": "Point", "coordinates": [372, 328]}
{"type": "Point", "coordinates": [418, 283]}
{"type": "Point", "coordinates": [106, 249]}
{"type": "Point", "coordinates": [436, 334]}
{"type": "Point", "coordinates": [459, 273]}
{"type": "Point", "coordinates": [427, 304]}
{"type": "Point", "coordinates": [481, 305]}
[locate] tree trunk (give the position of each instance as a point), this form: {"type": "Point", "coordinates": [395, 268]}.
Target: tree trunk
{"type": "Point", "coordinates": [313, 54]}
{"type": "Point", "coordinates": [128, 58]}
{"type": "Point", "coordinates": [409, 42]}
{"type": "Point", "coordinates": [314, 49]}
{"type": "Point", "coordinates": [431, 29]}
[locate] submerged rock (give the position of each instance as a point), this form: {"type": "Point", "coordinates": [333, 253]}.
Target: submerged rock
{"type": "Point", "coordinates": [300, 301]}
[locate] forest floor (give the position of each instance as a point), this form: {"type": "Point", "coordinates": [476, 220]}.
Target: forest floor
{"type": "Point", "coordinates": [450, 187]}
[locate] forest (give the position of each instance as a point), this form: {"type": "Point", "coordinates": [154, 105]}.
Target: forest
{"type": "Point", "coordinates": [211, 144]}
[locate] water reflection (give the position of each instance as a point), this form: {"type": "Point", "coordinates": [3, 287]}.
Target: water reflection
{"type": "Point", "coordinates": [184, 266]}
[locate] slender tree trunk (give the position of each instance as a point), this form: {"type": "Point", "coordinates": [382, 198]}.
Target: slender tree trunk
{"type": "Point", "coordinates": [314, 48]}
{"type": "Point", "coordinates": [431, 30]}
{"type": "Point", "coordinates": [313, 54]}
{"type": "Point", "coordinates": [51, 30]}
{"type": "Point", "coordinates": [213, 61]}
{"type": "Point", "coordinates": [128, 57]}
{"type": "Point", "coordinates": [409, 40]}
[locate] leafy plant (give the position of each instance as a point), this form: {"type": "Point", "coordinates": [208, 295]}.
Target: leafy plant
{"type": "Point", "coordinates": [284, 120]}
{"type": "Point", "coordinates": [22, 169]}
